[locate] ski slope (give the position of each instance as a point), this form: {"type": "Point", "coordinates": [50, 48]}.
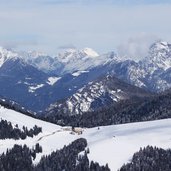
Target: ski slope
{"type": "Point", "coordinates": [114, 144]}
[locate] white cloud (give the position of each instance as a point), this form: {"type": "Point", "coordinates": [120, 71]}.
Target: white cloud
{"type": "Point", "coordinates": [137, 47]}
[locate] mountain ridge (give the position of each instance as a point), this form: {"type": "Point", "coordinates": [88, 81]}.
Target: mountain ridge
{"type": "Point", "coordinates": [100, 93]}
{"type": "Point", "coordinates": [45, 77]}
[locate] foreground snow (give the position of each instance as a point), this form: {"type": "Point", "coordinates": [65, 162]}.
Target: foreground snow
{"type": "Point", "coordinates": [114, 144]}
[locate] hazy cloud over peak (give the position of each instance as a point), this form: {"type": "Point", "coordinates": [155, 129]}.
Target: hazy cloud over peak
{"type": "Point", "coordinates": [138, 46]}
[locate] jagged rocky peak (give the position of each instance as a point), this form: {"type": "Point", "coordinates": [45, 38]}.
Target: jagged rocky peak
{"type": "Point", "coordinates": [160, 55]}
{"type": "Point", "coordinates": [90, 52]}
{"type": "Point", "coordinates": [76, 54]}
{"type": "Point", "coordinates": [160, 45]}
{"type": "Point", "coordinates": [6, 54]}
{"type": "Point", "coordinates": [160, 49]}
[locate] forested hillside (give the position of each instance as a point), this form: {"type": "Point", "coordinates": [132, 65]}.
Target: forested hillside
{"type": "Point", "coordinates": [7, 130]}
{"type": "Point", "coordinates": [20, 158]}
{"type": "Point", "coordinates": [152, 108]}
{"type": "Point", "coordinates": [149, 159]}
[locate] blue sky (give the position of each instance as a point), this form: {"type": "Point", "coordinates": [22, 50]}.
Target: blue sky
{"type": "Point", "coordinates": [126, 26]}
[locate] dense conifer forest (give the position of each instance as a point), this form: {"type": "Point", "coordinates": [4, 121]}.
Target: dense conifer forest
{"type": "Point", "coordinates": [20, 158]}
{"type": "Point", "coordinates": [68, 159]}
{"type": "Point", "coordinates": [7, 130]}
{"type": "Point", "coordinates": [149, 159]}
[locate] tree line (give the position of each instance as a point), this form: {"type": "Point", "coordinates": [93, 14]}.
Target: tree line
{"type": "Point", "coordinates": [20, 158]}
{"type": "Point", "coordinates": [7, 130]}
{"type": "Point", "coordinates": [149, 159]}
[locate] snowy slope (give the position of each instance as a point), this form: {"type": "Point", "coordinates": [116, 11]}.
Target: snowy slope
{"type": "Point", "coordinates": [117, 144]}
{"type": "Point", "coordinates": [114, 145]}
{"type": "Point", "coordinates": [48, 139]}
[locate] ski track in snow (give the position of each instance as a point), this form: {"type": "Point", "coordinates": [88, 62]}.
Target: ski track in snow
{"type": "Point", "coordinates": [113, 144]}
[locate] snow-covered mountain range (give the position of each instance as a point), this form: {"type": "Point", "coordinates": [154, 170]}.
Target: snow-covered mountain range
{"type": "Point", "coordinates": [94, 90]}
{"type": "Point", "coordinates": [152, 73]}
{"type": "Point", "coordinates": [42, 80]}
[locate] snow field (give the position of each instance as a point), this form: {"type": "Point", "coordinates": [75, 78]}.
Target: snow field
{"type": "Point", "coordinates": [113, 144]}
